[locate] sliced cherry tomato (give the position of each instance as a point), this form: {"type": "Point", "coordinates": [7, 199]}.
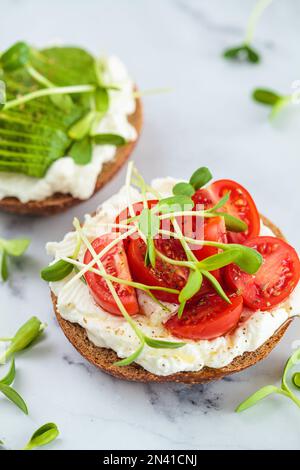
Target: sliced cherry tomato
{"type": "Point", "coordinates": [115, 264]}
{"type": "Point", "coordinates": [214, 230]}
{"type": "Point", "coordinates": [275, 279]}
{"type": "Point", "coordinates": [164, 274]}
{"type": "Point", "coordinates": [240, 205]}
{"type": "Point", "coordinates": [208, 319]}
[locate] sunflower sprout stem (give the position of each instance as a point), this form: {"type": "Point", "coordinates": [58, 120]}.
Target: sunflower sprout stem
{"type": "Point", "coordinates": [136, 285]}
{"type": "Point", "coordinates": [255, 15]}
{"type": "Point", "coordinates": [48, 92]}
{"type": "Point", "coordinates": [39, 77]}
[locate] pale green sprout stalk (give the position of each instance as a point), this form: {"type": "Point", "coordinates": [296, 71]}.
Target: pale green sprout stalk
{"type": "Point", "coordinates": [48, 92]}
{"type": "Point", "coordinates": [255, 15]}
{"type": "Point", "coordinates": [245, 51]}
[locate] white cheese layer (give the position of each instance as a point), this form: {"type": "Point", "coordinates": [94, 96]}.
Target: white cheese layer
{"type": "Point", "coordinates": [64, 175]}
{"type": "Point", "coordinates": [77, 305]}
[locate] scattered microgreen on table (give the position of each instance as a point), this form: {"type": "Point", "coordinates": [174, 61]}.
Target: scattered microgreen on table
{"type": "Point", "coordinates": [272, 99]}
{"type": "Point", "coordinates": [23, 338]}
{"type": "Point", "coordinates": [284, 390]}
{"type": "Point", "coordinates": [245, 52]}
{"type": "Point", "coordinates": [14, 248]}
{"type": "Point", "coordinates": [42, 436]}
{"type": "Point", "coordinates": [10, 392]}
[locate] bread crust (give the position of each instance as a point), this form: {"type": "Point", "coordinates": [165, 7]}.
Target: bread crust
{"type": "Point", "coordinates": [104, 358]}
{"type": "Point", "coordinates": [60, 202]}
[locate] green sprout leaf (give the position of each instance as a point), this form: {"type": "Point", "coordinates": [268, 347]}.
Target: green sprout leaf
{"type": "Point", "coordinates": [15, 57]}
{"type": "Point", "coordinates": [109, 139]}
{"type": "Point", "coordinates": [101, 100]}
{"type": "Point", "coordinates": [257, 396]}
{"type": "Point", "coordinates": [63, 102]}
{"type": "Point", "coordinates": [296, 379]}
{"type": "Point", "coordinates": [232, 223]}
{"type": "Point", "coordinates": [15, 247]}
{"type": "Point", "coordinates": [219, 260]}
{"type": "Point", "coordinates": [267, 97]}
{"type": "Point", "coordinates": [149, 224]}
{"type": "Point", "coordinates": [11, 374]}
{"type": "Point", "coordinates": [192, 286]}
{"type": "Point", "coordinates": [81, 151]}
{"type": "Point", "coordinates": [3, 265]}
{"type": "Point", "coordinates": [161, 344]}
{"type": "Point", "coordinates": [200, 177]}
{"type": "Point", "coordinates": [25, 336]}
{"type": "Point", "coordinates": [151, 252]}
{"type": "Point", "coordinates": [82, 127]}
{"type": "Point", "coordinates": [216, 285]}
{"type": "Point", "coordinates": [130, 359]}
{"type": "Point", "coordinates": [14, 397]}
{"type": "Point", "coordinates": [44, 435]}
{"type": "Point", "coordinates": [221, 202]}
{"type": "Point", "coordinates": [249, 260]}
{"type": "Point", "coordinates": [185, 189]}
{"type": "Point", "coordinates": [242, 53]}
{"type": "Point", "coordinates": [56, 271]}
{"type": "Point", "coordinates": [174, 204]}
{"type": "Point", "coordinates": [291, 362]}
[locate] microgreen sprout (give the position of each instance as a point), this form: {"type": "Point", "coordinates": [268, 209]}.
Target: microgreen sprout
{"type": "Point", "coordinates": [48, 92]}
{"type": "Point", "coordinates": [60, 269]}
{"type": "Point", "coordinates": [15, 56]}
{"type": "Point", "coordinates": [9, 392]}
{"type": "Point", "coordinates": [42, 436]}
{"type": "Point", "coordinates": [14, 248]}
{"type": "Point", "coordinates": [24, 337]}
{"type": "Point", "coordinates": [272, 99]}
{"type": "Point", "coordinates": [244, 52]}
{"type": "Point", "coordinates": [268, 390]}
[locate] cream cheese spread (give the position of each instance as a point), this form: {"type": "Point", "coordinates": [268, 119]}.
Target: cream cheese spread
{"type": "Point", "coordinates": [64, 175]}
{"type": "Point", "coordinates": [77, 305]}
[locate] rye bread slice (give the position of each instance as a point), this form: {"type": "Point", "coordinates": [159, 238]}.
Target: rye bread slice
{"type": "Point", "coordinates": [60, 202]}
{"type": "Point", "coordinates": [104, 358]}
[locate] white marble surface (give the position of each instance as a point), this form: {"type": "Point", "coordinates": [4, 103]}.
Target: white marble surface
{"type": "Point", "coordinates": [208, 119]}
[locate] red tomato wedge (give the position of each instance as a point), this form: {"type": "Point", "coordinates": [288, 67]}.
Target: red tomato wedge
{"type": "Point", "coordinates": [115, 264]}
{"type": "Point", "coordinates": [274, 281]}
{"type": "Point", "coordinates": [210, 318]}
{"type": "Point", "coordinates": [240, 205]}
{"type": "Point", "coordinates": [164, 274]}
{"type": "Point", "coordinates": [214, 230]}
